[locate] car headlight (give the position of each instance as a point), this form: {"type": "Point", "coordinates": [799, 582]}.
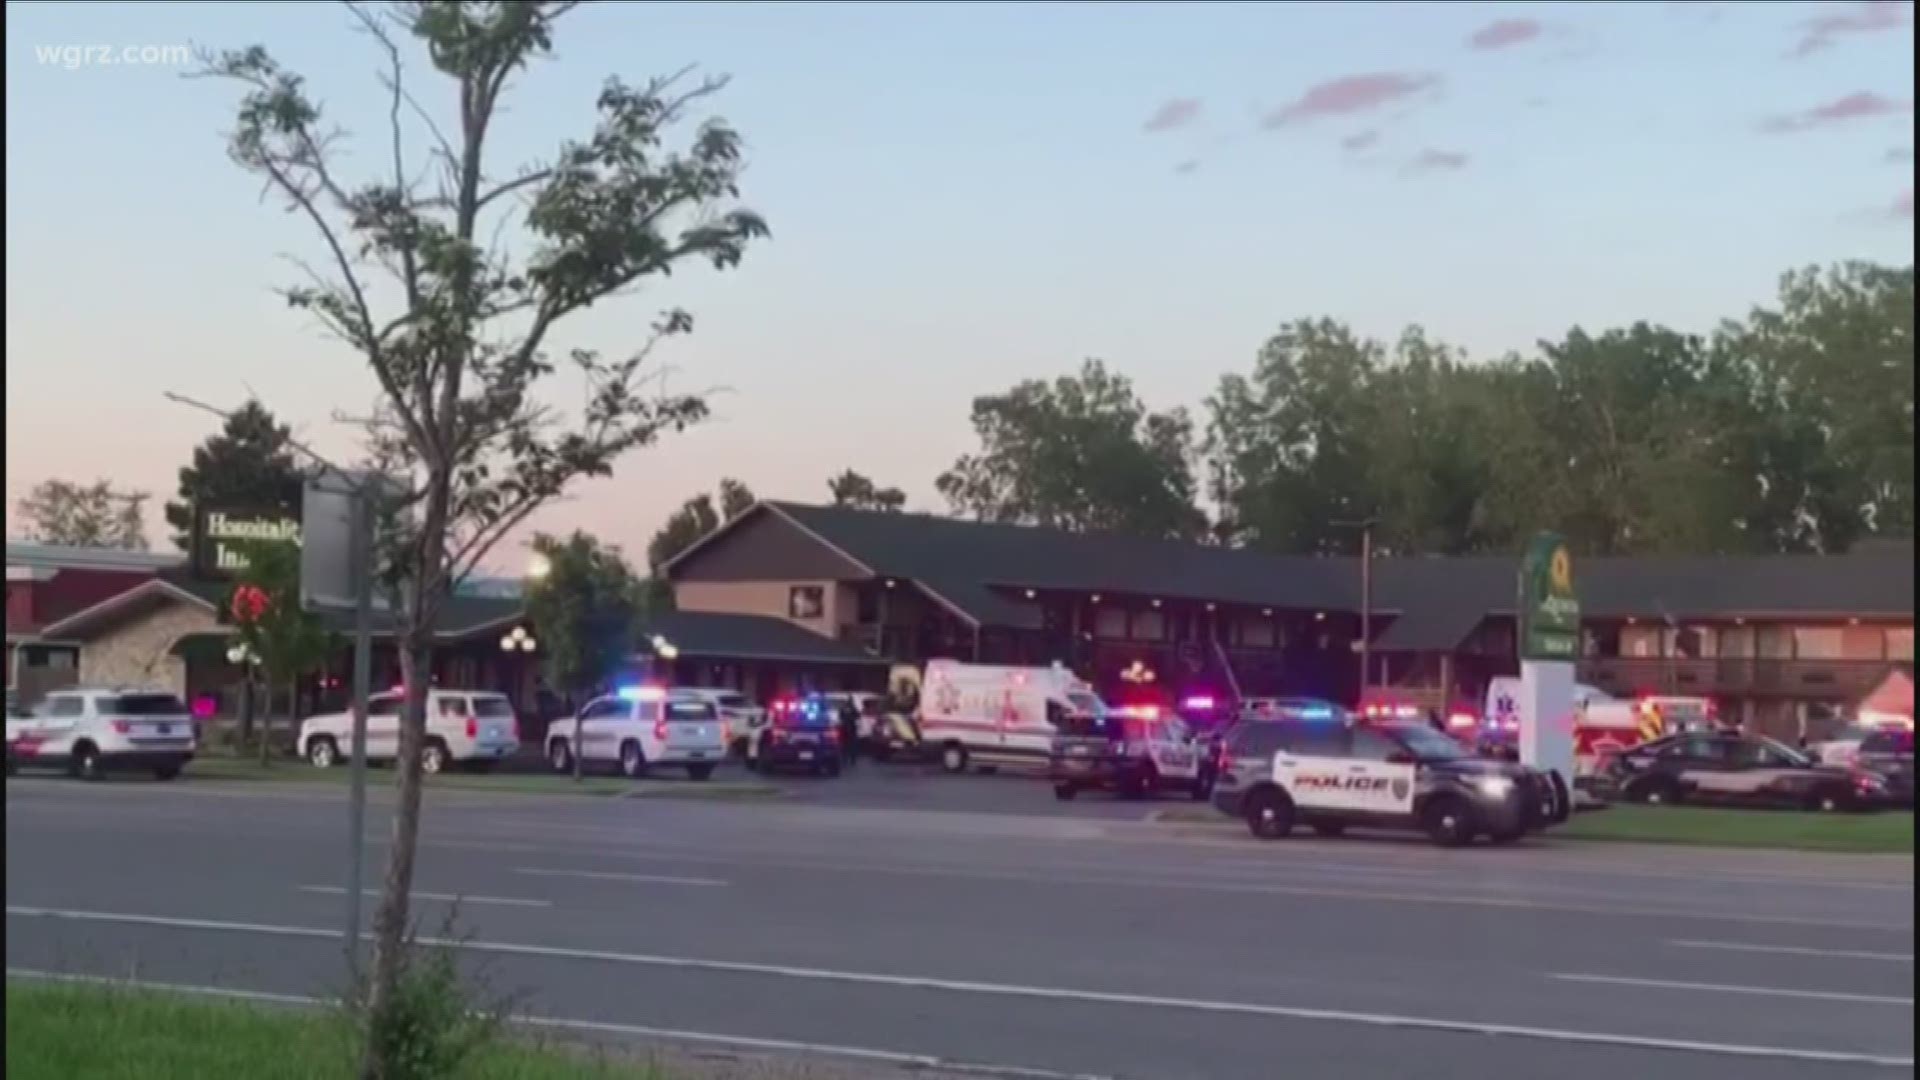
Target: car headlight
{"type": "Point", "coordinates": [1494, 787]}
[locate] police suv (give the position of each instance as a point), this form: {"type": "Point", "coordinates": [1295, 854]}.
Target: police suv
{"type": "Point", "coordinates": [1331, 774]}
{"type": "Point", "coordinates": [1133, 751]}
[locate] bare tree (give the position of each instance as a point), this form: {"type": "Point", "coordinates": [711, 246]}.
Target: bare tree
{"type": "Point", "coordinates": [84, 515]}
{"type": "Point", "coordinates": [455, 324]}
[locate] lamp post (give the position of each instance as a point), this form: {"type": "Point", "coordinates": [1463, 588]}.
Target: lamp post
{"type": "Point", "coordinates": [1365, 525]}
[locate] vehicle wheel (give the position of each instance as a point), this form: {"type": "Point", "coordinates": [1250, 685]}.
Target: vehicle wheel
{"type": "Point", "coordinates": [953, 759]}
{"type": "Point", "coordinates": [86, 762]}
{"type": "Point", "coordinates": [700, 772]}
{"type": "Point", "coordinates": [1065, 792]}
{"type": "Point", "coordinates": [559, 756]}
{"type": "Point", "coordinates": [1829, 801]}
{"type": "Point", "coordinates": [166, 772]}
{"type": "Point", "coordinates": [434, 757]}
{"type": "Point", "coordinates": [321, 752]}
{"type": "Point", "coordinates": [1329, 829]}
{"type": "Point", "coordinates": [1448, 823]}
{"type": "Point", "coordinates": [1269, 814]}
{"type": "Point", "coordinates": [633, 761]}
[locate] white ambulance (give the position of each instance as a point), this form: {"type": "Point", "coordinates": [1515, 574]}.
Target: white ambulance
{"type": "Point", "coordinates": [982, 716]}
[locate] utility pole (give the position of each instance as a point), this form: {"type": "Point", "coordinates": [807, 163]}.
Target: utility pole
{"type": "Point", "coordinates": [1365, 525]}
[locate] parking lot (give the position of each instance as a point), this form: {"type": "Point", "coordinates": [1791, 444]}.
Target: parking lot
{"type": "Point", "coordinates": [976, 921]}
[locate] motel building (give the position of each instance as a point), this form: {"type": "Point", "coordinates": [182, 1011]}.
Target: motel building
{"type": "Point", "coordinates": [787, 598]}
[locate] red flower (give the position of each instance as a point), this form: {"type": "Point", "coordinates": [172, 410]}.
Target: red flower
{"type": "Point", "coordinates": [249, 604]}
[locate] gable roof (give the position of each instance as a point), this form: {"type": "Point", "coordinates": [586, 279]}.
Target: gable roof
{"type": "Point", "coordinates": [751, 637]}
{"type": "Point", "coordinates": [1425, 603]}
{"type": "Point", "coordinates": [80, 624]}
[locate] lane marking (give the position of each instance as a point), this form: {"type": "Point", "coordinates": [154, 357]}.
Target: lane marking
{"type": "Point", "coordinates": [1725, 988]}
{"type": "Point", "coordinates": [924, 1062]}
{"type": "Point", "coordinates": [606, 875]}
{"type": "Point", "coordinates": [1794, 950]}
{"type": "Point", "coordinates": [1192, 886]}
{"type": "Point", "coordinates": [986, 989]}
{"type": "Point", "coordinates": [451, 898]}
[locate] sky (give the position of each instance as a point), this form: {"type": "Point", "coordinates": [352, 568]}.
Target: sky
{"type": "Point", "coordinates": [966, 195]}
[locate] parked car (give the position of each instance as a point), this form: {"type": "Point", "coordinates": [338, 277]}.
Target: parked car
{"type": "Point", "coordinates": [90, 732]}
{"type": "Point", "coordinates": [1845, 744]}
{"type": "Point", "coordinates": [803, 735]}
{"type": "Point", "coordinates": [639, 728]}
{"type": "Point", "coordinates": [1735, 770]}
{"type": "Point", "coordinates": [1133, 756]}
{"type": "Point", "coordinates": [741, 717]}
{"type": "Point", "coordinates": [474, 728]}
{"type": "Point", "coordinates": [1889, 752]}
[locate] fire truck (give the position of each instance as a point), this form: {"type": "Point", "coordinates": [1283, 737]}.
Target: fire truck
{"type": "Point", "coordinates": [1602, 724]}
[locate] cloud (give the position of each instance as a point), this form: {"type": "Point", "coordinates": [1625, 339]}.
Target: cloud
{"type": "Point", "coordinates": [1859, 105]}
{"type": "Point", "coordinates": [1434, 161]}
{"type": "Point", "coordinates": [1360, 140]}
{"type": "Point", "coordinates": [1902, 208]}
{"type": "Point", "coordinates": [1191, 165]}
{"type": "Point", "coordinates": [1504, 33]}
{"type": "Point", "coordinates": [1900, 155]}
{"type": "Point", "coordinates": [1348, 96]}
{"type": "Point", "coordinates": [1865, 17]}
{"type": "Point", "coordinates": [1173, 114]}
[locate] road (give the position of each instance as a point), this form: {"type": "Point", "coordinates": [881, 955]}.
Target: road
{"type": "Point", "coordinates": [1080, 944]}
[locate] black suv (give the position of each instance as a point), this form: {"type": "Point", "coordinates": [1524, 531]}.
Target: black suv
{"type": "Point", "coordinates": [1334, 774]}
{"type": "Point", "coordinates": [1889, 752]}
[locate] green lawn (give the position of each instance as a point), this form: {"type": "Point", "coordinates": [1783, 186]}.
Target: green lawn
{"type": "Point", "coordinates": [1786, 830]}
{"type": "Point", "coordinates": [60, 1030]}
{"type": "Point", "coordinates": [1883, 833]}
{"type": "Point", "coordinates": [224, 768]}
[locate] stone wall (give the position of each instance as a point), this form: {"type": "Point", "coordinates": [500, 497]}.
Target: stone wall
{"type": "Point", "coordinates": [139, 652]}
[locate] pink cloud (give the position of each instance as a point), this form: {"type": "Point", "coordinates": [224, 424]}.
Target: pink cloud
{"type": "Point", "coordinates": [1903, 206]}
{"type": "Point", "coordinates": [1360, 140]}
{"type": "Point", "coordinates": [1865, 17]}
{"type": "Point", "coordinates": [1350, 95]}
{"type": "Point", "coordinates": [1859, 105]}
{"type": "Point", "coordinates": [1173, 114]}
{"type": "Point", "coordinates": [1502, 33]}
{"type": "Point", "coordinates": [1433, 161]}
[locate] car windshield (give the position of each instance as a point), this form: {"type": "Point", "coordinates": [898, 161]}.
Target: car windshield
{"type": "Point", "coordinates": [1426, 743]}
{"type": "Point", "coordinates": [1085, 703]}
{"type": "Point", "coordinates": [145, 705]}
{"type": "Point", "coordinates": [730, 700]}
{"type": "Point", "coordinates": [1796, 757]}
{"type": "Point", "coordinates": [492, 707]}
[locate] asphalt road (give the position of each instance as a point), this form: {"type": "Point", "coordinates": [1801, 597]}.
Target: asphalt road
{"type": "Point", "coordinates": [1068, 941]}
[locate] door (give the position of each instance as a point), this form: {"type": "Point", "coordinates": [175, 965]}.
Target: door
{"type": "Point", "coordinates": [1705, 768]}
{"type": "Point", "coordinates": [600, 724]}
{"type": "Point", "coordinates": [383, 726]}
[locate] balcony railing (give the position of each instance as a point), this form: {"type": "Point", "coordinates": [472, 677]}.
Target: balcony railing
{"type": "Point", "coordinates": [1787, 678]}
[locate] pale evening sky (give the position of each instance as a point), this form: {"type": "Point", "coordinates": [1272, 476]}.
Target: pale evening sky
{"type": "Point", "coordinates": [964, 195]}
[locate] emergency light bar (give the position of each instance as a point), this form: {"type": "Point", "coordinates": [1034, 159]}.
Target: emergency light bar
{"type": "Point", "coordinates": [1198, 703]}
{"type": "Point", "coordinates": [641, 693]}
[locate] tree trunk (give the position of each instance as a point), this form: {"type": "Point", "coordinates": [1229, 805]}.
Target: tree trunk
{"type": "Point", "coordinates": [391, 919]}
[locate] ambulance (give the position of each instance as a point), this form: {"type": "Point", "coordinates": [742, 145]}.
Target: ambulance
{"type": "Point", "coordinates": [981, 716]}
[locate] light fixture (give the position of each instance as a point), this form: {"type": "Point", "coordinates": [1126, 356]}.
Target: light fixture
{"type": "Point", "coordinates": [890, 583]}
{"type": "Point", "coordinates": [1029, 594]}
{"type": "Point", "coordinates": [240, 653]}
{"type": "Point", "coordinates": [1209, 607]}
{"type": "Point", "coordinates": [1096, 598]}
{"type": "Point", "coordinates": [1156, 603]}
{"type": "Point", "coordinates": [1319, 616]}
{"type": "Point", "coordinates": [538, 567]}
{"type": "Point", "coordinates": [664, 649]}
{"type": "Point", "coordinates": [1266, 611]}
{"type": "Point", "coordinates": [518, 641]}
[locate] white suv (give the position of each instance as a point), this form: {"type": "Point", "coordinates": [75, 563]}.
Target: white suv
{"type": "Point", "coordinates": [475, 728]}
{"type": "Point", "coordinates": [89, 733]}
{"type": "Point", "coordinates": [641, 727]}
{"type": "Point", "coordinates": [743, 719]}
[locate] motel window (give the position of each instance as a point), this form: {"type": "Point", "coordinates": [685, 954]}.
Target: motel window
{"type": "Point", "coordinates": [806, 602]}
{"type": "Point", "coordinates": [1736, 643]}
{"type": "Point", "coordinates": [1640, 642]}
{"type": "Point", "coordinates": [1818, 643]}
{"type": "Point", "coordinates": [1149, 625]}
{"type": "Point", "coordinates": [1775, 643]}
{"type": "Point", "coordinates": [1900, 643]}
{"type": "Point", "coordinates": [1863, 643]}
{"type": "Point", "coordinates": [1256, 633]}
{"type": "Point", "coordinates": [1110, 623]}
{"type": "Point", "coordinates": [1690, 643]}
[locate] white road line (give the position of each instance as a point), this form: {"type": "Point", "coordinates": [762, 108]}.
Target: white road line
{"type": "Point", "coordinates": [603, 875]}
{"type": "Point", "coordinates": [956, 986]}
{"type": "Point", "coordinates": [924, 1062]}
{"type": "Point", "coordinates": [1724, 988]}
{"type": "Point", "coordinates": [451, 898]}
{"type": "Point", "coordinates": [1795, 950]}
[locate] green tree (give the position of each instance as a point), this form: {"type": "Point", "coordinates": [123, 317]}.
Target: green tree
{"type": "Point", "coordinates": [249, 465]}
{"type": "Point", "coordinates": [84, 515]}
{"type": "Point", "coordinates": [288, 642]}
{"type": "Point", "coordinates": [852, 490]}
{"type": "Point", "coordinates": [1081, 453]}
{"type": "Point", "coordinates": [448, 280]}
{"type": "Point", "coordinates": [586, 607]}
{"type": "Point", "coordinates": [694, 519]}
